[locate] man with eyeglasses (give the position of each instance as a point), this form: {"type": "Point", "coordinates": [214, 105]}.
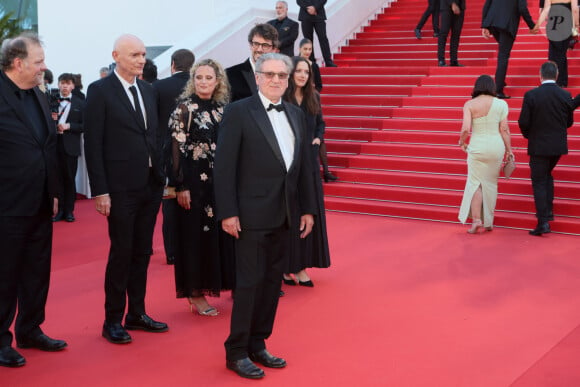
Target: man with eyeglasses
{"type": "Point", "coordinates": [261, 178]}
{"type": "Point", "coordinates": [262, 40]}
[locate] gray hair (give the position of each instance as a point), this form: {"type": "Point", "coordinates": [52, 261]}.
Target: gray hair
{"type": "Point", "coordinates": [17, 48]}
{"type": "Point", "coordinates": [274, 56]}
{"type": "Point", "coordinates": [283, 2]}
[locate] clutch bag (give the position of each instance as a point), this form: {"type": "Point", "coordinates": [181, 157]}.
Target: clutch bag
{"type": "Point", "coordinates": [509, 166]}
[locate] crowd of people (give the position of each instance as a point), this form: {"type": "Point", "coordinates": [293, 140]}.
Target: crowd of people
{"type": "Point", "coordinates": [231, 156]}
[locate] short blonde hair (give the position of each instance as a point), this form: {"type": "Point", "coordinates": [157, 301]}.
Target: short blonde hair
{"type": "Point", "coordinates": [221, 94]}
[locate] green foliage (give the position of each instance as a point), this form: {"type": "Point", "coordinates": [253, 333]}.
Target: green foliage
{"type": "Point", "coordinates": [8, 27]}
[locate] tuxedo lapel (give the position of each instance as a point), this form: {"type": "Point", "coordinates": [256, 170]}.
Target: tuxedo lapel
{"type": "Point", "coordinates": [294, 121]}
{"type": "Point", "coordinates": [250, 77]}
{"type": "Point", "coordinates": [263, 122]}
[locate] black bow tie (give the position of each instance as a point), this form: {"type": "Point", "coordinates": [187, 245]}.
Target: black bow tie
{"type": "Point", "coordinates": [278, 107]}
{"type": "Point", "coordinates": [64, 99]}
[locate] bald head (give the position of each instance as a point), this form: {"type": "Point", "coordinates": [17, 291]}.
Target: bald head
{"type": "Point", "coordinates": [129, 55]}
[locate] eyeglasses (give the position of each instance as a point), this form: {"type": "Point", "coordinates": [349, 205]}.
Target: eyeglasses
{"type": "Point", "coordinates": [271, 75]}
{"type": "Point", "coordinates": [265, 46]}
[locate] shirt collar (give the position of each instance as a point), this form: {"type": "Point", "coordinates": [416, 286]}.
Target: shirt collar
{"type": "Point", "coordinates": [549, 81]}
{"type": "Point", "coordinates": [266, 102]}
{"type": "Point", "coordinates": [126, 85]}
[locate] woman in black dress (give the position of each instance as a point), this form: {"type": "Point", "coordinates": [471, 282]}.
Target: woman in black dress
{"type": "Point", "coordinates": [203, 264]}
{"type": "Point", "coordinates": [311, 251]}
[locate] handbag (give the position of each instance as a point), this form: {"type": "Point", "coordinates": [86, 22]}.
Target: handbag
{"type": "Point", "coordinates": [509, 166]}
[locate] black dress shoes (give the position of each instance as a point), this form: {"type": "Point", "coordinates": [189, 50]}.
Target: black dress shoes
{"type": "Point", "coordinates": [116, 334]}
{"type": "Point", "coordinates": [330, 64]}
{"type": "Point", "coordinates": [456, 64]}
{"type": "Point", "coordinates": [418, 33]}
{"type": "Point", "coordinates": [69, 218]}
{"type": "Point", "coordinates": [245, 368]}
{"type": "Point", "coordinates": [266, 359]}
{"type": "Point", "coordinates": [58, 217]}
{"type": "Point", "coordinates": [502, 96]}
{"type": "Point", "coordinates": [441, 63]}
{"type": "Point", "coordinates": [170, 260]}
{"type": "Point", "coordinates": [328, 176]}
{"type": "Point", "coordinates": [541, 228]}
{"type": "Point", "coordinates": [42, 342]}
{"type": "Point", "coordinates": [308, 283]}
{"type": "Point", "coordinates": [9, 357]}
{"type": "Point", "coordinates": [145, 323]}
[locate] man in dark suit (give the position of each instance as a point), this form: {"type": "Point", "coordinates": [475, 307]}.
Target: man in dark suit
{"type": "Point", "coordinates": [501, 18]}
{"type": "Point", "coordinates": [433, 11]}
{"type": "Point", "coordinates": [262, 39]}
{"type": "Point", "coordinates": [452, 14]}
{"type": "Point", "coordinates": [261, 175]}
{"type": "Point", "coordinates": [286, 27]}
{"type": "Point", "coordinates": [546, 115]}
{"type": "Point", "coordinates": [168, 90]}
{"type": "Point", "coordinates": [312, 18]}
{"type": "Point", "coordinates": [124, 162]}
{"type": "Point", "coordinates": [69, 121]}
{"type": "Point", "coordinates": [28, 198]}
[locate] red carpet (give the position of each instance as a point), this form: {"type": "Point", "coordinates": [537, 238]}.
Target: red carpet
{"type": "Point", "coordinates": [406, 304]}
{"type": "Point", "coordinates": [391, 111]}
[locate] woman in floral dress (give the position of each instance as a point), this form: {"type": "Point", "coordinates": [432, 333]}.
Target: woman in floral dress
{"type": "Point", "coordinates": [203, 260]}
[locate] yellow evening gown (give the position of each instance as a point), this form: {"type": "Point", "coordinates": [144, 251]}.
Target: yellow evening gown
{"type": "Point", "coordinates": [485, 154]}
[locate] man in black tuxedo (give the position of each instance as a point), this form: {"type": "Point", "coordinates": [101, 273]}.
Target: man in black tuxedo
{"type": "Point", "coordinates": [124, 162]}
{"type": "Point", "coordinates": [452, 14]}
{"type": "Point", "coordinates": [501, 18]}
{"type": "Point", "coordinates": [546, 115]}
{"type": "Point", "coordinates": [28, 198]}
{"type": "Point", "coordinates": [262, 39]}
{"type": "Point", "coordinates": [168, 90]}
{"type": "Point", "coordinates": [286, 27]}
{"type": "Point", "coordinates": [312, 18]}
{"type": "Point", "coordinates": [69, 126]}
{"type": "Point", "coordinates": [261, 175]}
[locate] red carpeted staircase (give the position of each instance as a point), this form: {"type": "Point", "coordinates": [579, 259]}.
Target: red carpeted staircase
{"type": "Point", "coordinates": [393, 119]}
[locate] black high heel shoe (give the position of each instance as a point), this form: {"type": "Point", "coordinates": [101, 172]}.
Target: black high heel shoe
{"type": "Point", "coordinates": [289, 281]}
{"type": "Point", "coordinates": [308, 283]}
{"type": "Point", "coordinates": [328, 176]}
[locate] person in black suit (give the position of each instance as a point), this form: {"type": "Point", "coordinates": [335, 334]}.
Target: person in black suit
{"type": "Point", "coordinates": [286, 27]}
{"type": "Point", "coordinates": [28, 198]}
{"type": "Point", "coordinates": [433, 11]}
{"type": "Point", "coordinates": [546, 115]}
{"type": "Point", "coordinates": [69, 126]}
{"type": "Point", "coordinates": [124, 162]}
{"type": "Point", "coordinates": [501, 18]}
{"type": "Point", "coordinates": [261, 174]}
{"type": "Point", "coordinates": [168, 90]}
{"type": "Point", "coordinates": [452, 13]}
{"type": "Point", "coordinates": [312, 18]}
{"type": "Point", "coordinates": [262, 39]}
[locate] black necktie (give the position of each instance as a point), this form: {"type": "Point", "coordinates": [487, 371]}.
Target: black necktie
{"type": "Point", "coordinates": [133, 90]}
{"type": "Point", "coordinates": [64, 99]}
{"type": "Point", "coordinates": [279, 107]}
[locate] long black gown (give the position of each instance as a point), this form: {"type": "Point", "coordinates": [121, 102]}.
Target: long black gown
{"type": "Point", "coordinates": [313, 250]}
{"type": "Point", "coordinates": [204, 254]}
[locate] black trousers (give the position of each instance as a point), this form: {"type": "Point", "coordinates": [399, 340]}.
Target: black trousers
{"type": "Point", "coordinates": [260, 261]}
{"type": "Point", "coordinates": [433, 11]}
{"type": "Point", "coordinates": [454, 23]}
{"type": "Point", "coordinates": [308, 29]}
{"type": "Point", "coordinates": [543, 185]}
{"type": "Point", "coordinates": [68, 166]}
{"type": "Point", "coordinates": [505, 41]}
{"type": "Point", "coordinates": [558, 52]}
{"type": "Point", "coordinates": [169, 208]}
{"type": "Point", "coordinates": [131, 225]}
{"type": "Point", "coordinates": [26, 243]}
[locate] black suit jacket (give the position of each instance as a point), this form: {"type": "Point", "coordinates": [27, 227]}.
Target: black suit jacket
{"type": "Point", "coordinates": [546, 115]}
{"type": "Point", "coordinates": [287, 34]}
{"type": "Point", "coordinates": [28, 167]}
{"type": "Point", "coordinates": [71, 139]}
{"type": "Point", "coordinates": [117, 146]}
{"type": "Point", "coordinates": [242, 80]}
{"type": "Point", "coordinates": [168, 90]}
{"type": "Point", "coordinates": [505, 15]}
{"type": "Point", "coordinates": [303, 15]}
{"type": "Point", "coordinates": [251, 180]}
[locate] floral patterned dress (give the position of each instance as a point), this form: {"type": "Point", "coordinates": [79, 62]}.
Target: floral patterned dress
{"type": "Point", "coordinates": [204, 253]}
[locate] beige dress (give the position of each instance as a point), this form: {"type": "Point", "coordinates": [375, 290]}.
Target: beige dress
{"type": "Point", "coordinates": [484, 158]}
